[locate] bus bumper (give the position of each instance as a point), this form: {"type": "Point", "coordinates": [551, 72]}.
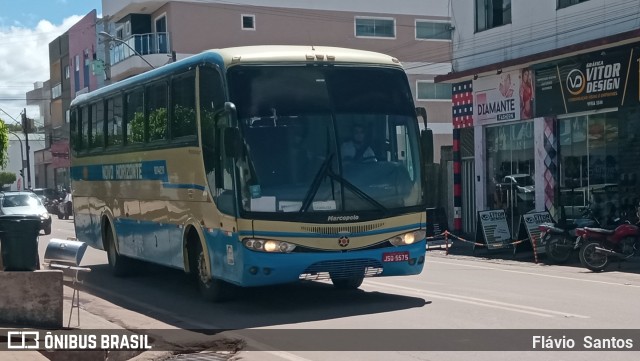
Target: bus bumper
{"type": "Point", "coordinates": [253, 268]}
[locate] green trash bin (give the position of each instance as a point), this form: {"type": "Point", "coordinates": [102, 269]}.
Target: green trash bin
{"type": "Point", "coordinates": [19, 242]}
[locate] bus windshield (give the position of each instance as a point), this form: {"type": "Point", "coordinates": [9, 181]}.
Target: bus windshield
{"type": "Point", "coordinates": [326, 138]}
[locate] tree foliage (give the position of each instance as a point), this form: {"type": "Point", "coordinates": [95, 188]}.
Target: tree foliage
{"type": "Point", "coordinates": [4, 144]}
{"type": "Point", "coordinates": [7, 178]}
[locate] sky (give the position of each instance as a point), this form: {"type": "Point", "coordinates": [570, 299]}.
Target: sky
{"type": "Point", "coordinates": [26, 29]}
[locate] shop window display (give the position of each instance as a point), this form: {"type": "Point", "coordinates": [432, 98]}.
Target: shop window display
{"type": "Point", "coordinates": [599, 164]}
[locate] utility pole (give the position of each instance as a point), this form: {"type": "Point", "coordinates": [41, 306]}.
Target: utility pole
{"type": "Point", "coordinates": [26, 127]}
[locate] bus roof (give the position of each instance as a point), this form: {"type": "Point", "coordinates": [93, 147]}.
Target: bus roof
{"type": "Point", "coordinates": [228, 57]}
{"type": "Point", "coordinates": [292, 53]}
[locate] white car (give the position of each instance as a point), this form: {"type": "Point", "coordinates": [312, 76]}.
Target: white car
{"type": "Point", "coordinates": [525, 187]}
{"type": "Point", "coordinates": [25, 203]}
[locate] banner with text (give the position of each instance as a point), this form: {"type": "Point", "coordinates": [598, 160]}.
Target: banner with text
{"type": "Point", "coordinates": [601, 79]}
{"type": "Point", "coordinates": [503, 97]}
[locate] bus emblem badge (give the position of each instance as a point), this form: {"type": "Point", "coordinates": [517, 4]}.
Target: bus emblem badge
{"type": "Point", "coordinates": [343, 241]}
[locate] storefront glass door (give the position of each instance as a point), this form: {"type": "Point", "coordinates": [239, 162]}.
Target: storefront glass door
{"type": "Point", "coordinates": [510, 170]}
{"type": "Point", "coordinates": [599, 164]}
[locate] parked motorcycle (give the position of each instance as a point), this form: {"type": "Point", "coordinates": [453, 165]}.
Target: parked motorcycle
{"type": "Point", "coordinates": [560, 239]}
{"type": "Point", "coordinates": [599, 245]}
{"type": "Point", "coordinates": [65, 207]}
{"type": "Point", "coordinates": [51, 205]}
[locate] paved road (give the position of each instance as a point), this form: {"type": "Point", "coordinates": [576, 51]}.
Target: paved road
{"type": "Point", "coordinates": [454, 292]}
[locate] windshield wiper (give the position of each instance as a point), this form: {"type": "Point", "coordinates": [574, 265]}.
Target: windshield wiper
{"type": "Point", "coordinates": [325, 171]}
{"type": "Point", "coordinates": [317, 180]}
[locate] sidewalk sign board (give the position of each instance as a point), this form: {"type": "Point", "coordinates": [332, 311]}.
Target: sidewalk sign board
{"type": "Point", "coordinates": [492, 227]}
{"type": "Point", "coordinates": [529, 223]}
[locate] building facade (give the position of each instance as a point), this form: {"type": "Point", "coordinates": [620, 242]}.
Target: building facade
{"type": "Point", "coordinates": [72, 72]}
{"type": "Point", "coordinates": [16, 156]}
{"type": "Point", "coordinates": [545, 108]}
{"type": "Point", "coordinates": [418, 32]}
{"type": "Point", "coordinates": [40, 96]}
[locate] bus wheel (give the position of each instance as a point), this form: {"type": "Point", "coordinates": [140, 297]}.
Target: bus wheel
{"type": "Point", "coordinates": [350, 283]}
{"type": "Point", "coordinates": [120, 265]}
{"type": "Point", "coordinates": [211, 289]}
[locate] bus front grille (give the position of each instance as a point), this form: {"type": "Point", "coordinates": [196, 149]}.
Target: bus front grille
{"type": "Point", "coordinates": [336, 230]}
{"type": "Point", "coordinates": [342, 269]}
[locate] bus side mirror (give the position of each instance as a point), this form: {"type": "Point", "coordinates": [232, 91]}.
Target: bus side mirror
{"type": "Point", "coordinates": [426, 137]}
{"type": "Point", "coordinates": [426, 141]}
{"type": "Point", "coordinates": [422, 112]}
{"type": "Point", "coordinates": [232, 142]}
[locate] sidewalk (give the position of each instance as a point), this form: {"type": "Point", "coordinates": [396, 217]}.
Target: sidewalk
{"type": "Point", "coordinates": [101, 321]}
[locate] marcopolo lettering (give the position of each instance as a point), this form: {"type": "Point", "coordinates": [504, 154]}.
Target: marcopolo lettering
{"type": "Point", "coordinates": [354, 217]}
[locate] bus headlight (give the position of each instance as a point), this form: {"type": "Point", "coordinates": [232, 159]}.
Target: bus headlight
{"type": "Point", "coordinates": [408, 238]}
{"type": "Point", "coordinates": [268, 245]}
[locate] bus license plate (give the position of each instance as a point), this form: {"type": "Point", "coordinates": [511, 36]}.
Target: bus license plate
{"type": "Point", "coordinates": [395, 256]}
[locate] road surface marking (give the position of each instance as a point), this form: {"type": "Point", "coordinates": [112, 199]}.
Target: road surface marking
{"type": "Point", "coordinates": [535, 274]}
{"type": "Point", "coordinates": [542, 312]}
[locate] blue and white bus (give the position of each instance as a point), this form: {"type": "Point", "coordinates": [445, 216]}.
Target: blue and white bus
{"type": "Point", "coordinates": [242, 166]}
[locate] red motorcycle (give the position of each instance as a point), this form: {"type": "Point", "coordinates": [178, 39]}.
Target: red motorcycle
{"type": "Point", "coordinates": [599, 244]}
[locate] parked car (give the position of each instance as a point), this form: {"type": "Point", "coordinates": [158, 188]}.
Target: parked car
{"type": "Point", "coordinates": [523, 183]}
{"type": "Point", "coordinates": [25, 203]}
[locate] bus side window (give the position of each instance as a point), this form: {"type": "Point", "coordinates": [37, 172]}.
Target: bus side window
{"type": "Point", "coordinates": [84, 130]}
{"type": "Point", "coordinates": [97, 125]}
{"type": "Point", "coordinates": [73, 129]}
{"type": "Point", "coordinates": [114, 121]}
{"type": "Point", "coordinates": [134, 117]}
{"type": "Point", "coordinates": [156, 106]}
{"type": "Point", "coordinates": [211, 104]}
{"type": "Point", "coordinates": [183, 106]}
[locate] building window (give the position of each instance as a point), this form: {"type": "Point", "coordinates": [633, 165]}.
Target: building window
{"type": "Point", "coordinates": [77, 62]}
{"type": "Point", "coordinates": [56, 91]}
{"type": "Point", "coordinates": [492, 13]}
{"type": "Point", "coordinates": [66, 72]}
{"type": "Point", "coordinates": [375, 27]}
{"type": "Point", "coordinates": [432, 91]}
{"type": "Point", "coordinates": [433, 30]}
{"type": "Point", "coordinates": [566, 3]}
{"type": "Point", "coordinates": [248, 22]}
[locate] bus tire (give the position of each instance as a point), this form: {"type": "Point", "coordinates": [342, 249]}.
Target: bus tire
{"type": "Point", "coordinates": [211, 289]}
{"type": "Point", "coordinates": [120, 265]}
{"type": "Point", "coordinates": [351, 283]}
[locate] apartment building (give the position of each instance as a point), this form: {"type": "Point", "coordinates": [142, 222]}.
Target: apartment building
{"type": "Point", "coordinates": [72, 72]}
{"type": "Point", "coordinates": [545, 108]}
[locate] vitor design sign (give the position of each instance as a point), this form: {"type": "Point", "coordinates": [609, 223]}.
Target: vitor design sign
{"type": "Point", "coordinates": [504, 97]}
{"type": "Point", "coordinates": [592, 81]}
{"type": "Point", "coordinates": [529, 228]}
{"type": "Point", "coordinates": [493, 228]}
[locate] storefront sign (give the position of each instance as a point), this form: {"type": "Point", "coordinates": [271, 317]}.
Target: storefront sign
{"type": "Point", "coordinates": [493, 228]}
{"type": "Point", "coordinates": [496, 98]}
{"type": "Point", "coordinates": [592, 81]}
{"type": "Point", "coordinates": [529, 228]}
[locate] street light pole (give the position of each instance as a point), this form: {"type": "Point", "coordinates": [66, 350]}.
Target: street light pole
{"type": "Point", "coordinates": [113, 38]}
{"type": "Point", "coordinates": [26, 126]}
{"type": "Point", "coordinates": [21, 155]}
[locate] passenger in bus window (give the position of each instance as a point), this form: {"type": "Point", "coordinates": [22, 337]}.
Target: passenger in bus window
{"type": "Point", "coordinates": [357, 148]}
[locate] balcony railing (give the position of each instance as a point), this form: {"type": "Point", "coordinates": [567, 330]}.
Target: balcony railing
{"type": "Point", "coordinates": [144, 44]}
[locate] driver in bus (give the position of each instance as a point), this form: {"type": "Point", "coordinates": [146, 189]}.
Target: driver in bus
{"type": "Point", "coordinates": [357, 148]}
